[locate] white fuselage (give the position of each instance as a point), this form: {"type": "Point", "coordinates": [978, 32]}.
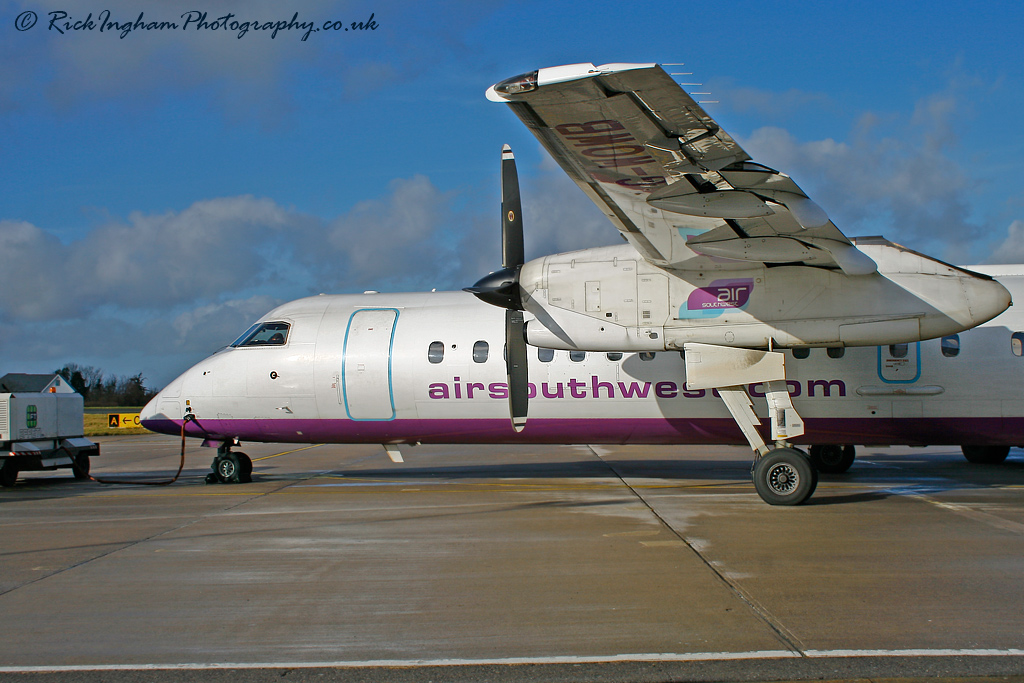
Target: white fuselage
{"type": "Point", "coordinates": [361, 369]}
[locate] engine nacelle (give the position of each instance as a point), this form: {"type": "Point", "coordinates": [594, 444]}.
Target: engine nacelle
{"type": "Point", "coordinates": [611, 299]}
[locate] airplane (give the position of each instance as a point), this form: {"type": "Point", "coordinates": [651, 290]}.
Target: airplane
{"type": "Point", "coordinates": [732, 286]}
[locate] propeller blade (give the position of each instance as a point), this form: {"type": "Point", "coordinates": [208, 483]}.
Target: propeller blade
{"type": "Point", "coordinates": [516, 364]}
{"type": "Point", "coordinates": [501, 289]}
{"type": "Point", "coordinates": [512, 251]}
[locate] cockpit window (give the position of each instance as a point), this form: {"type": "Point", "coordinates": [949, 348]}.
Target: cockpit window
{"type": "Point", "coordinates": [264, 334]}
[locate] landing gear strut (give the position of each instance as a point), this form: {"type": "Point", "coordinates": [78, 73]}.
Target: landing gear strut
{"type": "Point", "coordinates": [230, 467]}
{"type": "Point", "coordinates": [782, 475]}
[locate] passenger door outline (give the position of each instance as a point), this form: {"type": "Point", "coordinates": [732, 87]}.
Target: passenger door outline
{"type": "Point", "coordinates": [906, 370]}
{"type": "Point", "coordinates": [356, 377]}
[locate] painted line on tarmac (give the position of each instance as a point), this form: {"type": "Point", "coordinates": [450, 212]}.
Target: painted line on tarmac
{"type": "Point", "coordinates": [969, 512]}
{"type": "Point", "coordinates": [510, 661]}
{"type": "Point", "coordinates": [278, 455]}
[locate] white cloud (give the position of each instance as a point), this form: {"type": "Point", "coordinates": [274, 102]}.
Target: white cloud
{"type": "Point", "coordinates": [175, 286]}
{"type": "Point", "coordinates": [1011, 249]}
{"type": "Point", "coordinates": [399, 234]}
{"type": "Point", "coordinates": [211, 326]}
{"type": "Point", "coordinates": [894, 176]}
{"type": "Point", "coordinates": [559, 217]}
{"type": "Point", "coordinates": [147, 262]}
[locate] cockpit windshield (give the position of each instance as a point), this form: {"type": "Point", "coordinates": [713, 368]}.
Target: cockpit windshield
{"type": "Point", "coordinates": [264, 334]}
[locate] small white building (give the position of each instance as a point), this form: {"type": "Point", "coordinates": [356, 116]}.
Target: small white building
{"type": "Point", "coordinates": [24, 383]}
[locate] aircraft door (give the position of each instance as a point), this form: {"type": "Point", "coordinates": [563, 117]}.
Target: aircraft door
{"type": "Point", "coordinates": [366, 364]}
{"type": "Point", "coordinates": [899, 363]}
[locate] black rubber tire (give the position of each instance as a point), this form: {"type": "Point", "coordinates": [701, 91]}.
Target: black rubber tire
{"type": "Point", "coordinates": [832, 458]}
{"type": "Point", "coordinates": [985, 455]}
{"type": "Point", "coordinates": [228, 468]}
{"type": "Point", "coordinates": [245, 463]}
{"type": "Point", "coordinates": [80, 466]}
{"type": "Point", "coordinates": [8, 473]}
{"type": "Point", "coordinates": [785, 476]}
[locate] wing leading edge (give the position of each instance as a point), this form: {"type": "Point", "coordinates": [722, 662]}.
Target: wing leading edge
{"type": "Point", "coordinates": [676, 185]}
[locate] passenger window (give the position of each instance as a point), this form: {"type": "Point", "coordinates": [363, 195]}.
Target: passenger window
{"type": "Point", "coordinates": [614, 355]}
{"type": "Point", "coordinates": [1017, 343]}
{"type": "Point", "coordinates": [435, 353]}
{"type": "Point", "coordinates": [545, 355]}
{"type": "Point", "coordinates": [646, 355]}
{"type": "Point", "coordinates": [898, 350]}
{"type": "Point", "coordinates": [264, 334]}
{"type": "Point", "coordinates": [836, 351]}
{"type": "Point", "coordinates": [480, 352]}
{"type": "Point", "coordinates": [950, 346]}
{"type": "Point", "coordinates": [801, 352]}
{"type": "Point", "coordinates": [577, 356]}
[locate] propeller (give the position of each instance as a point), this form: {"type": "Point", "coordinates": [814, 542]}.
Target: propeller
{"type": "Point", "coordinates": [501, 288]}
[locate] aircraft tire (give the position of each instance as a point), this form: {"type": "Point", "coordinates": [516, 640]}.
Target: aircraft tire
{"type": "Point", "coordinates": [832, 458]}
{"type": "Point", "coordinates": [228, 468]}
{"type": "Point", "coordinates": [8, 473]}
{"type": "Point", "coordinates": [245, 465]}
{"type": "Point", "coordinates": [985, 455]}
{"type": "Point", "coordinates": [784, 476]}
{"type": "Point", "coordinates": [80, 466]}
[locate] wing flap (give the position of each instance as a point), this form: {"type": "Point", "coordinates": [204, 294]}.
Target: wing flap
{"type": "Point", "coordinates": [668, 177]}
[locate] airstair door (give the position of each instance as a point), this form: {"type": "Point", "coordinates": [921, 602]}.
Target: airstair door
{"type": "Point", "coordinates": [366, 364]}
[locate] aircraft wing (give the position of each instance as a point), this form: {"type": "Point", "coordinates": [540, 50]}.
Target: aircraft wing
{"type": "Point", "coordinates": [677, 186]}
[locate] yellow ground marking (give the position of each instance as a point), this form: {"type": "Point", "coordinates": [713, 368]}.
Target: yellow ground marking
{"type": "Point", "coordinates": [661, 544]}
{"type": "Point", "coordinates": [296, 450]}
{"type": "Point", "coordinates": [648, 532]}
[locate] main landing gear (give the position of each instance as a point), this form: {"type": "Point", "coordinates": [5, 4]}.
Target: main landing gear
{"type": "Point", "coordinates": [782, 475]}
{"type": "Point", "coordinates": [832, 458]}
{"type": "Point", "coordinates": [230, 467]}
{"type": "Point", "coordinates": [985, 455]}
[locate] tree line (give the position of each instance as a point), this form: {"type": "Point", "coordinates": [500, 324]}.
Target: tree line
{"type": "Point", "coordinates": [99, 389]}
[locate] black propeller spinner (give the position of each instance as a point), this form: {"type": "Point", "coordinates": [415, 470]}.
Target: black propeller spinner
{"type": "Point", "coordinates": [501, 288]}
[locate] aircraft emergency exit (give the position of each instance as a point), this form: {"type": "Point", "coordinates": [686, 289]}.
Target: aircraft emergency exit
{"type": "Point", "coordinates": [730, 275]}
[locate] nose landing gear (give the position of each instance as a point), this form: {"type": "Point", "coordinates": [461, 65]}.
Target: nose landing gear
{"type": "Point", "coordinates": [230, 467]}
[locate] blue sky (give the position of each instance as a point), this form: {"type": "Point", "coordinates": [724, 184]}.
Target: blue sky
{"type": "Point", "coordinates": [163, 190]}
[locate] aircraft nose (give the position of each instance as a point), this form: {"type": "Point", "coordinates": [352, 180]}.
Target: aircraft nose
{"type": "Point", "coordinates": [148, 411]}
{"type": "Point", "coordinates": [986, 298]}
{"type": "Point", "coordinates": [163, 412]}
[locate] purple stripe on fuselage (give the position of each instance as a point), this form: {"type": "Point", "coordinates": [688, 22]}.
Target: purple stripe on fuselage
{"type": "Point", "coordinates": [900, 431]}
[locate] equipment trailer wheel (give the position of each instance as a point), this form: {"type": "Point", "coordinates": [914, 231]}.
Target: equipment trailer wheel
{"type": "Point", "coordinates": [80, 466]}
{"type": "Point", "coordinates": [784, 476]}
{"type": "Point", "coordinates": [832, 458]}
{"type": "Point", "coordinates": [8, 473]}
{"type": "Point", "coordinates": [985, 455]}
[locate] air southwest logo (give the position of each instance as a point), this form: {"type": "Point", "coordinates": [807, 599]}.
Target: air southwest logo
{"type": "Point", "coordinates": [595, 388]}
{"type": "Point", "coordinates": [713, 300]}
